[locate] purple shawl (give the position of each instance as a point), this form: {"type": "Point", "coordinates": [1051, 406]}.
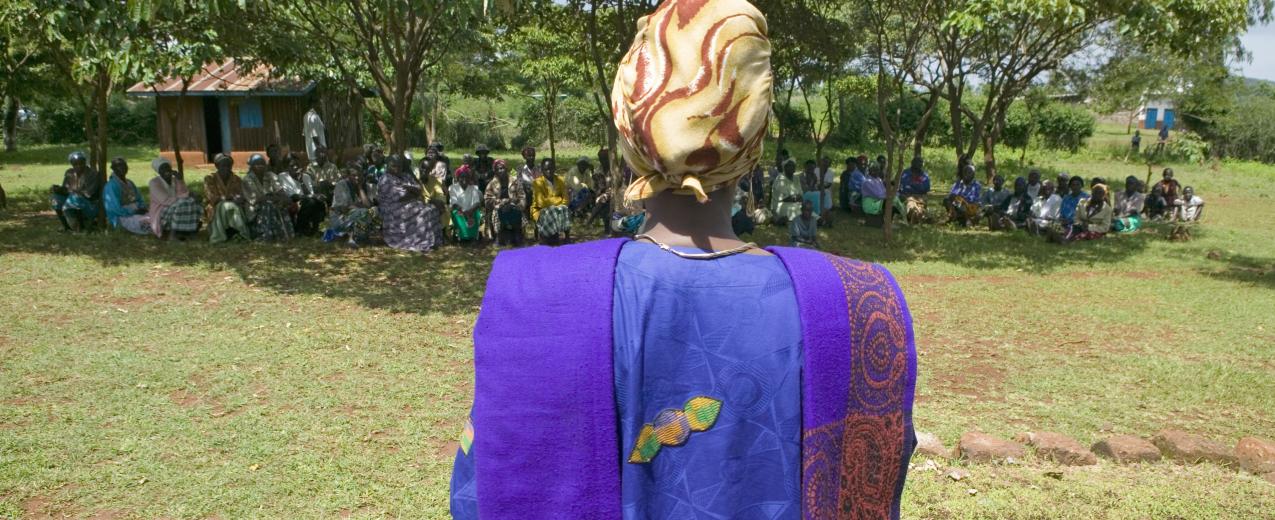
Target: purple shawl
{"type": "Point", "coordinates": [544, 406]}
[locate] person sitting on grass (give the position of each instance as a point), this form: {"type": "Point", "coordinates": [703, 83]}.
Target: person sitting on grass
{"type": "Point", "coordinates": [352, 214]}
{"type": "Point", "coordinates": [1190, 207]}
{"type": "Point", "coordinates": [549, 205]}
{"type": "Point", "coordinates": [306, 202]}
{"type": "Point", "coordinates": [602, 201]}
{"type": "Point", "coordinates": [962, 202]}
{"type": "Point", "coordinates": [874, 194]}
{"type": "Point", "coordinates": [1169, 186]}
{"type": "Point", "coordinates": [810, 186]}
{"type": "Point", "coordinates": [1092, 222]}
{"type": "Point", "coordinates": [409, 222]}
{"type": "Point", "coordinates": [580, 191]}
{"type": "Point", "coordinates": [803, 231]}
{"type": "Point", "coordinates": [786, 195]}
{"type": "Point", "coordinates": [267, 203]}
{"type": "Point", "coordinates": [1014, 211]}
{"type": "Point", "coordinates": [506, 201]}
{"type": "Point", "coordinates": [1033, 183]}
{"type": "Point", "coordinates": [1045, 209]}
{"type": "Point", "coordinates": [125, 207]}
{"type": "Point", "coordinates": [1157, 206]}
{"type": "Point", "coordinates": [1129, 205]}
{"type": "Point", "coordinates": [994, 201]}
{"type": "Point", "coordinates": [1071, 202]}
{"type": "Point", "coordinates": [851, 181]}
{"type": "Point", "coordinates": [324, 172]}
{"type": "Point", "coordinates": [914, 187]}
{"type": "Point", "coordinates": [466, 203]}
{"type": "Point", "coordinates": [75, 200]}
{"type": "Point", "coordinates": [224, 202]}
{"type": "Point", "coordinates": [173, 211]}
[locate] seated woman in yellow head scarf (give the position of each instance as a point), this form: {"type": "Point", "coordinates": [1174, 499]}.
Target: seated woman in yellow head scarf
{"type": "Point", "coordinates": [687, 374]}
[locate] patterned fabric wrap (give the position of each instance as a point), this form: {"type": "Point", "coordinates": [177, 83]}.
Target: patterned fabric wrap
{"type": "Point", "coordinates": [673, 427]}
{"type": "Point", "coordinates": [692, 96]}
{"type": "Point", "coordinates": [858, 382]}
{"type": "Point", "coordinates": [182, 215]}
{"type": "Point", "coordinates": [857, 433]}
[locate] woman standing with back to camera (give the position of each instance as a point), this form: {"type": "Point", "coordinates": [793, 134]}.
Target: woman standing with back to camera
{"type": "Point", "coordinates": [686, 374]}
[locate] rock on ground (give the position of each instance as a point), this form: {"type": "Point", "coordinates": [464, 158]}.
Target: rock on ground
{"type": "Point", "coordinates": [1192, 449]}
{"type": "Point", "coordinates": [1256, 455]}
{"type": "Point", "coordinates": [1127, 448]}
{"type": "Point", "coordinates": [1059, 448]}
{"type": "Point", "coordinates": [981, 447]}
{"type": "Point", "coordinates": [929, 445]}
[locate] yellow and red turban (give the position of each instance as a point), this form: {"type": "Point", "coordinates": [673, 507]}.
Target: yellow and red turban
{"type": "Point", "coordinates": [692, 97]}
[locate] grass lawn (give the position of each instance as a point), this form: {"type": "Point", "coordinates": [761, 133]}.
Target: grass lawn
{"type": "Point", "coordinates": [141, 379]}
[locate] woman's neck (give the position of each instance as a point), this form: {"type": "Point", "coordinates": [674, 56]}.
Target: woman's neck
{"type": "Point", "coordinates": [679, 220]}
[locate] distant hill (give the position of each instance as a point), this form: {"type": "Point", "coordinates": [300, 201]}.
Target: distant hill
{"type": "Point", "coordinates": [1254, 82]}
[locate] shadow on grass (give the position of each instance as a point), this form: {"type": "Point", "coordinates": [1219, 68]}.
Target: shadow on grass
{"type": "Point", "coordinates": [448, 281]}
{"type": "Point", "coordinates": [451, 280]}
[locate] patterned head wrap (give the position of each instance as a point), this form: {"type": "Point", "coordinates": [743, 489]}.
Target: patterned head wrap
{"type": "Point", "coordinates": [692, 97]}
{"type": "Point", "coordinates": [499, 163]}
{"type": "Point", "coordinates": [256, 159]}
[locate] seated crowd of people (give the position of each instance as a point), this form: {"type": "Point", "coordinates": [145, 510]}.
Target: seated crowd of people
{"type": "Point", "coordinates": [408, 205]}
{"type": "Point", "coordinates": [418, 206]}
{"type": "Point", "coordinates": [1063, 211]}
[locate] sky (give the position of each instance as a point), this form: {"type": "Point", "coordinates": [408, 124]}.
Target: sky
{"type": "Point", "coordinates": [1260, 42]}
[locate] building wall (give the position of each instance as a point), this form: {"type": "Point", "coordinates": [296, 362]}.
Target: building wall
{"type": "Point", "coordinates": [281, 117]}
{"type": "Point", "coordinates": [190, 129]}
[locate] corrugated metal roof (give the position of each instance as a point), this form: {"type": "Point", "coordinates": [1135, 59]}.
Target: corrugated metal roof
{"type": "Point", "coordinates": [227, 79]}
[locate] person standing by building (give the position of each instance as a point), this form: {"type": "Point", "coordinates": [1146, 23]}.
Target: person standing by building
{"type": "Point", "coordinates": [313, 132]}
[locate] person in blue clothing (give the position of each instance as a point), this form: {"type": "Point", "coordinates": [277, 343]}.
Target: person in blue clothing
{"type": "Point", "coordinates": [1075, 195]}
{"type": "Point", "coordinates": [914, 186]}
{"type": "Point", "coordinates": [687, 373]}
{"type": "Point", "coordinates": [125, 207]}
{"type": "Point", "coordinates": [851, 191]}
{"type": "Point", "coordinates": [962, 202]}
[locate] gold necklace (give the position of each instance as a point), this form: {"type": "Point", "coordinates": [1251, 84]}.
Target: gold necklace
{"type": "Point", "coordinates": [698, 256]}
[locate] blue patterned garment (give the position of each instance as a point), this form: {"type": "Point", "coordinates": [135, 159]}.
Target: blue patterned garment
{"type": "Point", "coordinates": [726, 329]}
{"type": "Point", "coordinates": [969, 192]}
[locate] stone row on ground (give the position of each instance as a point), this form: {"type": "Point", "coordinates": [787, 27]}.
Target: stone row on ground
{"type": "Point", "coordinates": [1252, 454]}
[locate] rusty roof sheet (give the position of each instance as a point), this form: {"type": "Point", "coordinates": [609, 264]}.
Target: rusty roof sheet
{"type": "Point", "coordinates": [227, 79]}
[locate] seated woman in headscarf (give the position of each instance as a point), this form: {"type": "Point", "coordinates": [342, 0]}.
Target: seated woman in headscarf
{"type": "Point", "coordinates": [307, 207]}
{"type": "Point", "coordinates": [506, 200]}
{"type": "Point", "coordinates": [687, 373]}
{"type": "Point", "coordinates": [549, 205]}
{"type": "Point", "coordinates": [466, 205]}
{"type": "Point", "coordinates": [1092, 221]}
{"type": "Point", "coordinates": [803, 231]}
{"type": "Point", "coordinates": [785, 195]}
{"type": "Point", "coordinates": [353, 214]}
{"type": "Point", "coordinates": [224, 202]}
{"type": "Point", "coordinates": [125, 207]}
{"type": "Point", "coordinates": [172, 210]}
{"type": "Point", "coordinates": [408, 222]}
{"type": "Point", "coordinates": [267, 203]}
{"type": "Point", "coordinates": [1129, 205]}
{"type": "Point", "coordinates": [75, 200]}
{"type": "Point", "coordinates": [579, 180]}
{"type": "Point", "coordinates": [874, 193]}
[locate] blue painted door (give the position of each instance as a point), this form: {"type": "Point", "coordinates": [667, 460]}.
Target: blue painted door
{"type": "Point", "coordinates": [1152, 115]}
{"type": "Point", "coordinates": [1168, 118]}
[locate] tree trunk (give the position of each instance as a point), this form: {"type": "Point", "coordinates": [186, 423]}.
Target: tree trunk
{"type": "Point", "coordinates": [11, 124]}
{"type": "Point", "coordinates": [102, 92]}
{"type": "Point", "coordinates": [954, 100]}
{"type": "Point", "coordinates": [551, 109]}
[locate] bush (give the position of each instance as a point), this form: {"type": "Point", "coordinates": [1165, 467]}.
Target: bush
{"type": "Point", "coordinates": [131, 122]}
{"type": "Point", "coordinates": [1019, 127]}
{"type": "Point", "coordinates": [576, 121]}
{"type": "Point", "coordinates": [1064, 127]}
{"type": "Point", "coordinates": [1247, 132]}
